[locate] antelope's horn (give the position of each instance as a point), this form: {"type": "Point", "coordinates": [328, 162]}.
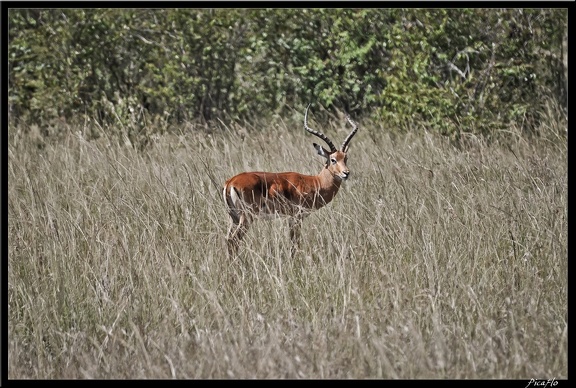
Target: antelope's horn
{"type": "Point", "coordinates": [319, 134]}
{"type": "Point", "coordinates": [347, 140]}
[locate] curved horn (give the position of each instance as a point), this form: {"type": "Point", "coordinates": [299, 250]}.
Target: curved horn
{"type": "Point", "coordinates": [347, 140]}
{"type": "Point", "coordinates": [319, 134]}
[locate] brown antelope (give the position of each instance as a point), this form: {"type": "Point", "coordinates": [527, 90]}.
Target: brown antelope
{"type": "Point", "coordinates": [252, 195]}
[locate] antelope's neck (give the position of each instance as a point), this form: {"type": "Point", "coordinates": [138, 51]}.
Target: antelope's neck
{"type": "Point", "coordinates": [329, 185]}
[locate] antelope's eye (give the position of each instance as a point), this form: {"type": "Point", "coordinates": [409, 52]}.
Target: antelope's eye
{"type": "Point", "coordinates": [333, 161]}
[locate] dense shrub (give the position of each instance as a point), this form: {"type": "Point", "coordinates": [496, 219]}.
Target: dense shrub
{"type": "Point", "coordinates": [446, 70]}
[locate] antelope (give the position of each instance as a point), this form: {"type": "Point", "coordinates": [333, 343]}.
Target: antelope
{"type": "Point", "coordinates": [252, 195]}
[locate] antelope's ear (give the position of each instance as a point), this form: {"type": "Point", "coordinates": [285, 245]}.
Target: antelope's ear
{"type": "Point", "coordinates": [322, 151]}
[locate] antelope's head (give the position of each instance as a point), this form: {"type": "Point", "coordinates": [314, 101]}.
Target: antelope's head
{"type": "Point", "coordinates": [335, 158]}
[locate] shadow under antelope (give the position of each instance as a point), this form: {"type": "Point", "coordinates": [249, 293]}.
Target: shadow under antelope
{"type": "Point", "coordinates": [252, 195]}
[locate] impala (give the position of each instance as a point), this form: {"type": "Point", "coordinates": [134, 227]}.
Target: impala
{"type": "Point", "coordinates": [252, 195]}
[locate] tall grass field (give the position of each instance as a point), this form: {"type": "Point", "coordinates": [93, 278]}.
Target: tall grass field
{"type": "Point", "coordinates": [436, 260]}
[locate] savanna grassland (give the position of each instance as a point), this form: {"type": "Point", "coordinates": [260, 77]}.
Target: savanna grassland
{"type": "Point", "coordinates": [435, 260]}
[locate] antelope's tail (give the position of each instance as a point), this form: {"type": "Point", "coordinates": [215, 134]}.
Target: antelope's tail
{"type": "Point", "coordinates": [231, 199]}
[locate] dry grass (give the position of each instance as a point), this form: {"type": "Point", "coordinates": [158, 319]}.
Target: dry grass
{"type": "Point", "coordinates": [432, 261]}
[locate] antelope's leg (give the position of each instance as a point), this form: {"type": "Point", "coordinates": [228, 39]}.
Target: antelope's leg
{"type": "Point", "coordinates": [236, 232]}
{"type": "Point", "coordinates": [295, 226]}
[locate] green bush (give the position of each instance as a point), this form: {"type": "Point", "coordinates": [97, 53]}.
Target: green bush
{"type": "Point", "coordinates": [445, 70]}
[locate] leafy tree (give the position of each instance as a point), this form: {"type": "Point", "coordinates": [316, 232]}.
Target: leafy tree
{"type": "Point", "coordinates": [447, 70]}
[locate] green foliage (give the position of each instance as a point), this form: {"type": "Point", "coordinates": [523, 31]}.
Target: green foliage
{"type": "Point", "coordinates": [447, 70]}
{"type": "Point", "coordinates": [469, 70]}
